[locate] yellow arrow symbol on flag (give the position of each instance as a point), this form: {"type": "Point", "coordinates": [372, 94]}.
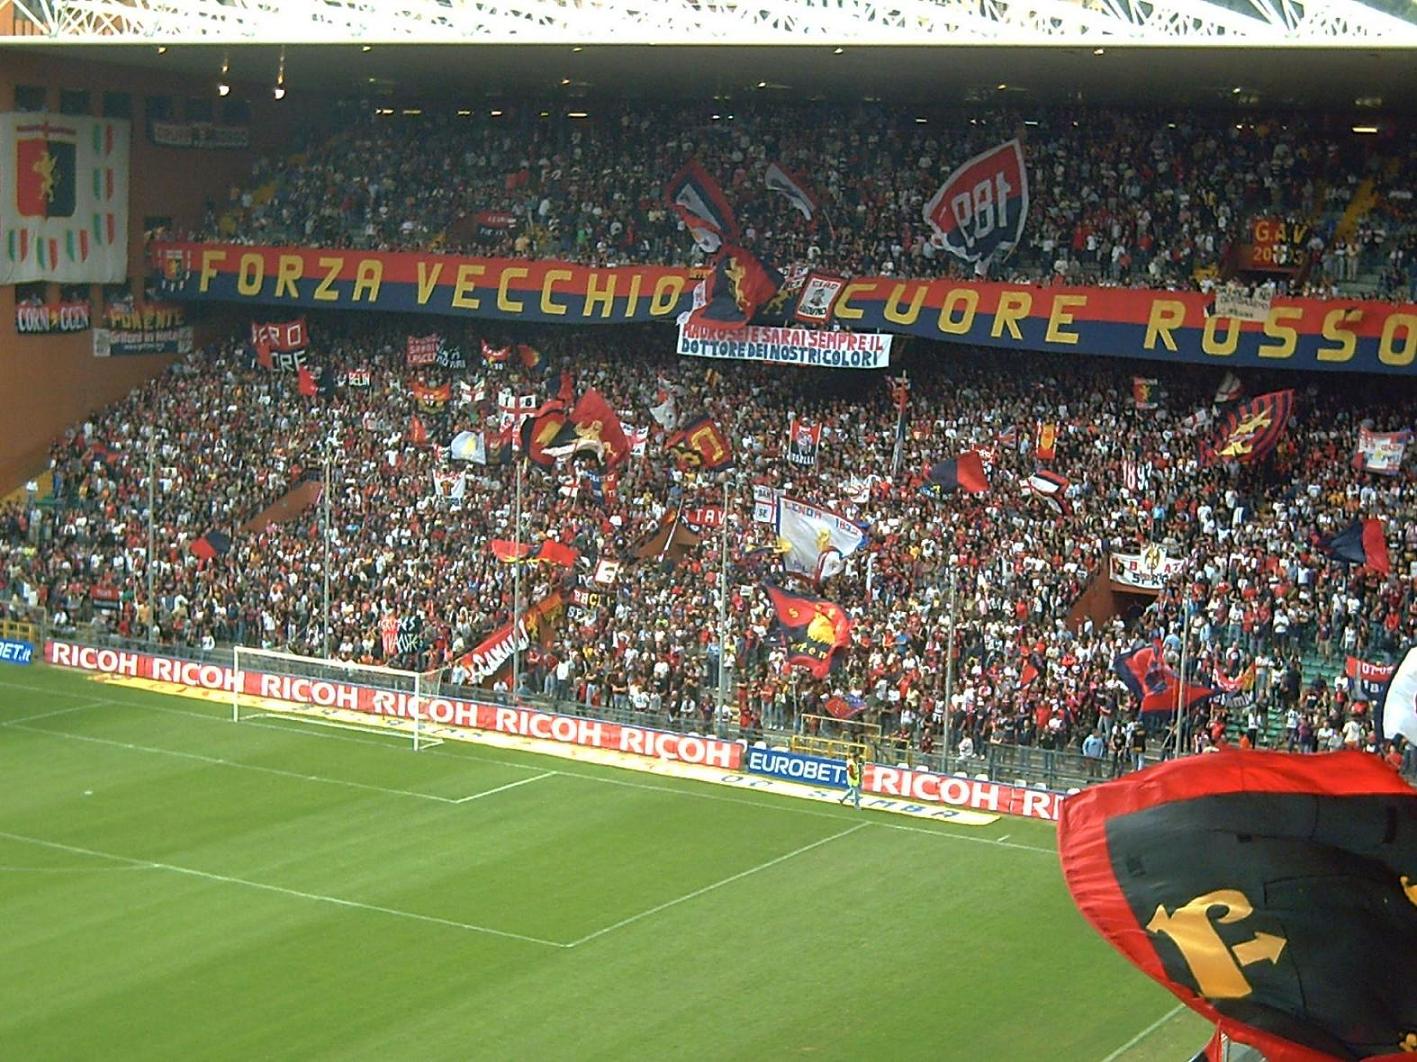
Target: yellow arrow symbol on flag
{"type": "Point", "coordinates": [1265, 947]}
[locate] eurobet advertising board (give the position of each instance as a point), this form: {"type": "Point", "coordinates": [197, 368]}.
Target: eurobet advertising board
{"type": "Point", "coordinates": [15, 652]}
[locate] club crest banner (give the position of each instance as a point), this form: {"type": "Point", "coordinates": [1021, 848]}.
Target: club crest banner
{"type": "Point", "coordinates": [63, 198]}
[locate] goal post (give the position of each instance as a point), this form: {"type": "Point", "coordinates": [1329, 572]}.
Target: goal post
{"type": "Point", "coordinates": [335, 693]}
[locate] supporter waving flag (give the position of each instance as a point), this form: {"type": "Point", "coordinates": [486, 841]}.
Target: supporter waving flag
{"type": "Point", "coordinates": [965, 472]}
{"type": "Point", "coordinates": [1051, 488]}
{"type": "Point", "coordinates": [780, 179]}
{"type": "Point", "coordinates": [595, 419]}
{"type": "Point", "coordinates": [1045, 440]}
{"type": "Point", "coordinates": [700, 445]}
{"type": "Point", "coordinates": [305, 382]}
{"type": "Point", "coordinates": [1151, 680]}
{"type": "Point", "coordinates": [979, 212]}
{"type": "Point", "coordinates": [738, 287]}
{"type": "Point", "coordinates": [510, 552]}
{"type": "Point", "coordinates": [1361, 542]}
{"type": "Point", "coordinates": [699, 202]}
{"type": "Point", "coordinates": [815, 542]}
{"type": "Point", "coordinates": [1251, 430]}
{"type": "Point", "coordinates": [812, 628]}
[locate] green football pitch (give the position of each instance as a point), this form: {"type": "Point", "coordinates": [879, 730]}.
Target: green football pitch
{"type": "Point", "coordinates": [175, 885]}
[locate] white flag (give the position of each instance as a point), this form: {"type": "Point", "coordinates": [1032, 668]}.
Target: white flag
{"type": "Point", "coordinates": [1399, 712]}
{"type": "Point", "coordinates": [814, 541]}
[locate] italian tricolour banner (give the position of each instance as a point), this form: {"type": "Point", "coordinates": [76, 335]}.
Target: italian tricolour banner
{"type": "Point", "coordinates": [63, 198]}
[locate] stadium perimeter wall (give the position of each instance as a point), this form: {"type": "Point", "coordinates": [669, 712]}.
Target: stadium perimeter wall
{"type": "Point", "coordinates": [48, 382]}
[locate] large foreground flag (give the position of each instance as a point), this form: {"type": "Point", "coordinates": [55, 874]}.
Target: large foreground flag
{"type": "Point", "coordinates": [594, 419]}
{"type": "Point", "coordinates": [1398, 714]}
{"type": "Point", "coordinates": [814, 542]}
{"type": "Point", "coordinates": [1273, 894]}
{"type": "Point", "coordinates": [979, 212]}
{"type": "Point", "coordinates": [1251, 429]}
{"type": "Point", "coordinates": [812, 628]}
{"type": "Point", "coordinates": [699, 202]}
{"type": "Point", "coordinates": [965, 472]}
{"type": "Point", "coordinates": [1361, 542]}
{"type": "Point", "coordinates": [63, 198]}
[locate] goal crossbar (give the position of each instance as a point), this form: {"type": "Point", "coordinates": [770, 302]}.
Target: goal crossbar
{"type": "Point", "coordinates": [332, 693]}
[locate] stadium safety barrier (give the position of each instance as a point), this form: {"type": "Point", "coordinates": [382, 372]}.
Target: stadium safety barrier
{"type": "Point", "coordinates": [895, 782]}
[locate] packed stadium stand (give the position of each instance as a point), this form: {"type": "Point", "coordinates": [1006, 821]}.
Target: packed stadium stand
{"type": "Point", "coordinates": [235, 455]}
{"type": "Point", "coordinates": [1132, 198]}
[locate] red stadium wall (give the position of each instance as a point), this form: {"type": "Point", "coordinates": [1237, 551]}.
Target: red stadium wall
{"type": "Point", "coordinates": [52, 381]}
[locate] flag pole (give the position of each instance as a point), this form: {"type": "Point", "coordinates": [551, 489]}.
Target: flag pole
{"type": "Point", "coordinates": [152, 532]}
{"type": "Point", "coordinates": [722, 609]}
{"type": "Point", "coordinates": [517, 585]}
{"type": "Point", "coordinates": [899, 438]}
{"type": "Point", "coordinates": [1181, 680]}
{"type": "Point", "coordinates": [325, 516]}
{"type": "Point", "coordinates": [950, 662]}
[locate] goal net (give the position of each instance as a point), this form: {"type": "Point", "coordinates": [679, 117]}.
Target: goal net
{"type": "Point", "coordinates": [334, 693]}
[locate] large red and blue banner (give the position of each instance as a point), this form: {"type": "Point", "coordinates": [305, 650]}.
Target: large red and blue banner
{"type": "Point", "coordinates": [1340, 335]}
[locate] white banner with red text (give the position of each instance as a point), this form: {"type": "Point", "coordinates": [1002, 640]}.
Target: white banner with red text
{"type": "Point", "coordinates": [441, 711]}
{"type": "Point", "coordinates": [787, 346]}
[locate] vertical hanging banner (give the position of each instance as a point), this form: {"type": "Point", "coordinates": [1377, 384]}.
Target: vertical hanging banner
{"type": "Point", "coordinates": [63, 198]}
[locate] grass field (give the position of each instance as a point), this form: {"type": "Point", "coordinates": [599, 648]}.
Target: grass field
{"type": "Point", "coordinates": [175, 885]}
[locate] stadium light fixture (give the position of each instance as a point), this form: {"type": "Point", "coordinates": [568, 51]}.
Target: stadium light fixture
{"type": "Point", "coordinates": [577, 114]}
{"type": "Point", "coordinates": [279, 91]}
{"type": "Point", "coordinates": [565, 81]}
{"type": "Point", "coordinates": [463, 113]}
{"type": "Point", "coordinates": [366, 47]}
{"type": "Point", "coordinates": [495, 114]}
{"type": "Point", "coordinates": [1001, 86]}
{"type": "Point", "coordinates": [1236, 90]}
{"type": "Point", "coordinates": [838, 51]}
{"type": "Point", "coordinates": [1099, 51]}
{"type": "Point", "coordinates": [1365, 130]}
{"type": "Point", "coordinates": [222, 88]}
{"type": "Point", "coordinates": [920, 119]}
{"type": "Point", "coordinates": [715, 117]}
{"type": "Point", "coordinates": [577, 48]}
{"type": "Point", "coordinates": [762, 84]}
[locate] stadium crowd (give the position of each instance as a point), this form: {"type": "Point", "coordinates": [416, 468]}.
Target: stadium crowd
{"type": "Point", "coordinates": [1143, 199]}
{"type": "Point", "coordinates": [231, 438]}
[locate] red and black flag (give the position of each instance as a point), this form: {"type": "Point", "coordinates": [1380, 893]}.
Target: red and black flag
{"type": "Point", "coordinates": [1273, 894]}
{"type": "Point", "coordinates": [699, 203]}
{"type": "Point", "coordinates": [812, 628]}
{"type": "Point", "coordinates": [979, 212]}
{"type": "Point", "coordinates": [700, 445]}
{"type": "Point", "coordinates": [804, 439]}
{"type": "Point", "coordinates": [46, 169]}
{"type": "Point", "coordinates": [965, 472]}
{"type": "Point", "coordinates": [541, 431]}
{"type": "Point", "coordinates": [509, 552]}
{"type": "Point", "coordinates": [595, 420]}
{"type": "Point", "coordinates": [737, 288]}
{"type": "Point", "coordinates": [211, 545]}
{"type": "Point", "coordinates": [1361, 542]}
{"type": "Point", "coordinates": [669, 543]}
{"type": "Point", "coordinates": [305, 382]}
{"type": "Point", "coordinates": [1152, 681]}
{"type": "Point", "coordinates": [1251, 430]}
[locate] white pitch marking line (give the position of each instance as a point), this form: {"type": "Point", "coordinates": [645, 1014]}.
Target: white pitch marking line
{"type": "Point", "coordinates": [218, 762]}
{"type": "Point", "coordinates": [1004, 838]}
{"type": "Point", "coordinates": [337, 900]}
{"type": "Point", "coordinates": [509, 785]}
{"type": "Point", "coordinates": [716, 885]}
{"type": "Point", "coordinates": [1139, 1037]}
{"type": "Point", "coordinates": [47, 715]}
{"type": "Point", "coordinates": [462, 753]}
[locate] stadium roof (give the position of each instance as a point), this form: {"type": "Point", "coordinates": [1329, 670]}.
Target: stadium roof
{"type": "Point", "coordinates": [735, 21]}
{"type": "Point", "coordinates": [1368, 79]}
